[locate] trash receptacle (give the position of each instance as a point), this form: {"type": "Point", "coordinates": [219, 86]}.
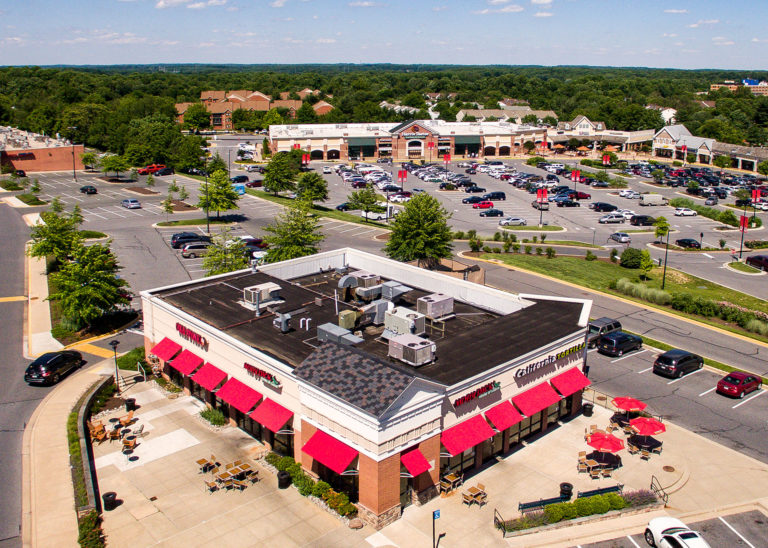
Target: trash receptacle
{"type": "Point", "coordinates": [130, 404]}
{"type": "Point", "coordinates": [587, 409]}
{"type": "Point", "coordinates": [283, 480]}
{"type": "Point", "coordinates": [566, 491]}
{"type": "Point", "coordinates": [110, 501]}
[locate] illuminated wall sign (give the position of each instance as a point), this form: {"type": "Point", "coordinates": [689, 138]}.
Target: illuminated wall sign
{"type": "Point", "coordinates": [535, 366]}
{"type": "Point", "coordinates": [415, 135]}
{"type": "Point", "coordinates": [261, 374]}
{"type": "Point", "coordinates": [193, 337]}
{"type": "Point", "coordinates": [477, 393]}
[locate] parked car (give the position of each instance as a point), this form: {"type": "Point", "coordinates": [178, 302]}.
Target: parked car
{"type": "Point", "coordinates": [688, 243]}
{"type": "Point", "coordinates": [621, 237]}
{"type": "Point", "coordinates": [513, 221]}
{"type": "Point", "coordinates": [618, 343]}
{"type": "Point", "coordinates": [180, 239]}
{"type": "Point", "coordinates": [612, 218]}
{"type": "Point", "coordinates": [495, 196]}
{"type": "Point", "coordinates": [195, 249]}
{"type": "Point", "coordinates": [472, 200]}
{"type": "Point", "coordinates": [151, 168]}
{"type": "Point", "coordinates": [599, 327]}
{"type": "Point", "coordinates": [52, 366]}
{"type": "Point", "coordinates": [737, 384]}
{"type": "Point", "coordinates": [684, 212]}
{"type": "Point", "coordinates": [131, 203]}
{"type": "Point", "coordinates": [484, 204]}
{"type": "Point", "coordinates": [568, 203]}
{"type": "Point", "coordinates": [475, 189]}
{"type": "Point", "coordinates": [544, 206]}
{"type": "Point", "coordinates": [642, 220]}
{"type": "Point", "coordinates": [470, 171]}
{"type": "Point", "coordinates": [164, 171]}
{"type": "Point", "coordinates": [603, 207]}
{"type": "Point", "coordinates": [327, 169]}
{"type": "Point", "coordinates": [88, 189]}
{"type": "Point", "coordinates": [492, 213]}
{"type": "Point", "coordinates": [672, 533]}
{"type": "Point", "coordinates": [758, 261]}
{"type": "Point", "coordinates": [21, 173]}
{"type": "Point", "coordinates": [343, 207]}
{"type": "Point", "coordinates": [254, 184]}
{"type": "Point", "coordinates": [238, 179]}
{"type": "Point", "coordinates": [359, 184]}
{"type": "Point", "coordinates": [600, 184]}
{"type": "Point", "coordinates": [577, 195]}
{"type": "Point", "coordinates": [712, 200]}
{"type": "Point", "coordinates": [373, 216]}
{"type": "Point", "coordinates": [676, 363]}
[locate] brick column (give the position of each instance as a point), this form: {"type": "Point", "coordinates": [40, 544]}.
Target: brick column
{"type": "Point", "coordinates": [505, 441]}
{"type": "Point", "coordinates": [576, 403]}
{"type": "Point", "coordinates": [307, 431]}
{"type": "Point", "coordinates": [379, 490]}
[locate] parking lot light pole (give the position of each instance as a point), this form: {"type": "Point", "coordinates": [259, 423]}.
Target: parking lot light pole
{"type": "Point", "coordinates": [113, 343]}
{"type": "Point", "coordinates": [666, 251]}
{"type": "Point", "coordinates": [74, 174]}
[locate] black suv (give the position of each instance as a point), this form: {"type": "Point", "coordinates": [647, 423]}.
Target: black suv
{"type": "Point", "coordinates": [676, 363]}
{"type": "Point", "coordinates": [180, 239]}
{"type": "Point", "coordinates": [618, 342]}
{"type": "Point", "coordinates": [493, 196]}
{"type": "Point", "coordinates": [603, 206]}
{"type": "Point", "coordinates": [642, 220]}
{"type": "Point", "coordinates": [239, 179]}
{"type": "Point", "coordinates": [50, 367]}
{"type": "Point", "coordinates": [165, 171]}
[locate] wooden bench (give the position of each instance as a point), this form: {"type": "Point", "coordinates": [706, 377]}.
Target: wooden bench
{"type": "Point", "coordinates": [602, 491]}
{"type": "Point", "coordinates": [536, 504]}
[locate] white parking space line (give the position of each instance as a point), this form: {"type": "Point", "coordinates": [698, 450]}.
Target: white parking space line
{"type": "Point", "coordinates": [353, 228]}
{"type": "Point", "coordinates": [760, 393]}
{"type": "Point", "coordinates": [628, 356]}
{"type": "Point", "coordinates": [113, 212]}
{"type": "Point", "coordinates": [644, 370]}
{"type": "Point", "coordinates": [708, 391]}
{"type": "Point", "coordinates": [707, 255]}
{"type": "Point", "coordinates": [685, 376]}
{"type": "Point", "coordinates": [633, 541]}
{"type": "Point", "coordinates": [94, 214]}
{"type": "Point", "coordinates": [736, 532]}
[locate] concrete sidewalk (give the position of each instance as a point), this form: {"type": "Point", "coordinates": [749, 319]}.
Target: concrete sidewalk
{"type": "Point", "coordinates": [38, 328]}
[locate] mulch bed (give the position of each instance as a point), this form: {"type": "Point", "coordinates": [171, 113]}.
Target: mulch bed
{"type": "Point", "coordinates": [114, 180]}
{"type": "Point", "coordinates": [142, 190]}
{"type": "Point", "coordinates": [105, 325]}
{"type": "Point", "coordinates": [181, 207]}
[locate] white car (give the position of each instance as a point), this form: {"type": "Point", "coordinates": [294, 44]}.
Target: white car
{"type": "Point", "coordinates": [374, 216]}
{"type": "Point", "coordinates": [632, 195]}
{"type": "Point", "coordinates": [684, 212]}
{"type": "Point", "coordinates": [672, 533]}
{"type": "Point", "coordinates": [626, 192]}
{"type": "Point", "coordinates": [628, 213]}
{"type": "Point", "coordinates": [399, 199]}
{"type": "Point", "coordinates": [513, 221]}
{"type": "Point", "coordinates": [326, 169]}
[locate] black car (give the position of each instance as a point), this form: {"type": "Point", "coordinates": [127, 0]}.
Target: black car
{"type": "Point", "coordinates": [181, 238]}
{"type": "Point", "coordinates": [470, 171]}
{"type": "Point", "coordinates": [568, 203]}
{"type": "Point", "coordinates": [492, 213]}
{"type": "Point", "coordinates": [238, 179]}
{"type": "Point", "coordinates": [642, 220]}
{"type": "Point", "coordinates": [689, 243]}
{"type": "Point", "coordinates": [676, 363]}
{"type": "Point", "coordinates": [165, 171]}
{"type": "Point", "coordinates": [342, 207]}
{"type": "Point", "coordinates": [88, 189]}
{"type": "Point", "coordinates": [600, 184]}
{"type": "Point", "coordinates": [52, 366]}
{"type": "Point", "coordinates": [391, 188]}
{"type": "Point", "coordinates": [21, 173]}
{"type": "Point", "coordinates": [618, 342]}
{"type": "Point", "coordinates": [603, 206]}
{"type": "Point", "coordinates": [472, 200]}
{"type": "Point", "coordinates": [474, 189]}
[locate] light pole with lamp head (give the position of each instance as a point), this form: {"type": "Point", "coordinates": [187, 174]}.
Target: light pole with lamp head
{"type": "Point", "coordinates": [74, 174]}
{"type": "Point", "coordinates": [113, 343]}
{"type": "Point", "coordinates": [666, 252]}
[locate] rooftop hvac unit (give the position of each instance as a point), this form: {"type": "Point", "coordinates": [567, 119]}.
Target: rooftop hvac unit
{"type": "Point", "coordinates": [392, 290]}
{"type": "Point", "coordinates": [404, 321]}
{"type": "Point", "coordinates": [262, 293]}
{"type": "Point", "coordinates": [435, 305]}
{"type": "Point", "coordinates": [282, 322]}
{"type": "Point", "coordinates": [347, 319]}
{"type": "Point", "coordinates": [331, 332]}
{"type": "Point", "coordinates": [412, 350]}
{"type": "Point", "coordinates": [366, 279]}
{"type": "Point", "coordinates": [368, 293]}
{"type": "Point", "coordinates": [380, 308]}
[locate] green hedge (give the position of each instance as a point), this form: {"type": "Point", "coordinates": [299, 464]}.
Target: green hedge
{"type": "Point", "coordinates": [756, 244]}
{"type": "Point", "coordinates": [89, 531]}
{"type": "Point", "coordinates": [725, 217]}
{"type": "Point", "coordinates": [214, 416]}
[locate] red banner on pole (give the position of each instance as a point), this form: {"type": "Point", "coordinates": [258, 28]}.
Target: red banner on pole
{"type": "Point", "coordinates": [402, 175]}
{"type": "Point", "coordinates": [296, 147]}
{"type": "Point", "coordinates": [446, 158]}
{"type": "Point", "coordinates": [431, 144]}
{"type": "Point", "coordinates": [743, 223]}
{"type": "Point", "coordinates": [756, 196]}
{"type": "Point", "coordinates": [684, 148]}
{"type": "Point", "coordinates": [541, 195]}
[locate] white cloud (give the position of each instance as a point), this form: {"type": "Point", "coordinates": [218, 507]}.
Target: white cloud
{"type": "Point", "coordinates": [675, 11]}
{"type": "Point", "coordinates": [162, 4]}
{"type": "Point", "coordinates": [669, 35]}
{"type": "Point", "coordinates": [513, 8]}
{"type": "Point", "coordinates": [278, 3]}
{"type": "Point", "coordinates": [700, 22]}
{"type": "Point", "coordinates": [543, 14]}
{"type": "Point", "coordinates": [363, 4]}
{"type": "Point", "coordinates": [541, 2]}
{"type": "Point", "coordinates": [216, 2]}
{"type": "Point", "coordinates": [758, 40]}
{"type": "Point", "coordinates": [498, 2]}
{"type": "Point", "coordinates": [722, 41]}
{"type": "Point", "coordinates": [196, 6]}
{"type": "Point", "coordinates": [206, 44]}
{"type": "Point", "coordinates": [326, 40]}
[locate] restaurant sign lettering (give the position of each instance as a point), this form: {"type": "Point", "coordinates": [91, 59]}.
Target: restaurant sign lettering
{"type": "Point", "coordinates": [261, 374]}
{"type": "Point", "coordinates": [483, 391]}
{"type": "Point", "coordinates": [192, 336]}
{"type": "Point", "coordinates": [535, 366]}
{"type": "Point", "coordinates": [415, 135]}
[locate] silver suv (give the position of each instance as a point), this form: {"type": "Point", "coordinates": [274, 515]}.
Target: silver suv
{"type": "Point", "coordinates": [599, 327]}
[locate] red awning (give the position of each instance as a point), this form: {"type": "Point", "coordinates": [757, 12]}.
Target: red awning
{"type": "Point", "coordinates": [240, 396]}
{"type": "Point", "coordinates": [272, 415]}
{"type": "Point", "coordinates": [414, 462]}
{"type": "Point", "coordinates": [464, 435]}
{"type": "Point", "coordinates": [329, 451]}
{"type": "Point", "coordinates": [503, 415]}
{"type": "Point", "coordinates": [537, 398]}
{"type": "Point", "coordinates": [570, 382]}
{"type": "Point", "coordinates": [165, 349]}
{"type": "Point", "coordinates": [209, 376]}
{"type": "Point", "coordinates": [186, 362]}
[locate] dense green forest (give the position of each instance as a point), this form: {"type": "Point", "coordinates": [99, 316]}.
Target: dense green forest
{"type": "Point", "coordinates": [130, 109]}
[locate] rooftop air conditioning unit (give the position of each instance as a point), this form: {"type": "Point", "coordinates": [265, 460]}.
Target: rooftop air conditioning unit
{"type": "Point", "coordinates": [435, 306]}
{"type": "Point", "coordinates": [331, 332]}
{"type": "Point", "coordinates": [392, 290]}
{"type": "Point", "coordinates": [366, 279]}
{"type": "Point", "coordinates": [404, 321]}
{"type": "Point", "coordinates": [262, 293]}
{"type": "Point", "coordinates": [368, 293]}
{"type": "Point", "coordinates": [412, 350]}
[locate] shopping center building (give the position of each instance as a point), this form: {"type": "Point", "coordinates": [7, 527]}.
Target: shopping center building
{"type": "Point", "coordinates": [378, 377]}
{"type": "Point", "coordinates": [427, 140]}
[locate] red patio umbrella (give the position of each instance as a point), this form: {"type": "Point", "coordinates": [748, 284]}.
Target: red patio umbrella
{"type": "Point", "coordinates": [628, 404]}
{"type": "Point", "coordinates": [605, 443]}
{"type": "Point", "coordinates": [647, 426]}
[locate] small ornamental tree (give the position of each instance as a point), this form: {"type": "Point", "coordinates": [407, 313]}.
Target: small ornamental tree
{"type": "Point", "coordinates": [631, 258]}
{"type": "Point", "coordinates": [56, 205]}
{"type": "Point", "coordinates": [88, 159]}
{"type": "Point", "coordinates": [225, 254]}
{"type": "Point", "coordinates": [365, 200]}
{"type": "Point", "coordinates": [294, 233]}
{"type": "Point", "coordinates": [662, 227]}
{"type": "Point", "coordinates": [217, 163]}
{"type": "Point", "coordinates": [312, 187]}
{"type": "Point", "coordinates": [183, 193]}
{"type": "Point", "coordinates": [280, 174]}
{"type": "Point", "coordinates": [646, 263]}
{"type": "Point", "coordinates": [150, 181]}
{"type": "Point", "coordinates": [420, 232]}
{"type": "Point", "coordinates": [219, 194]}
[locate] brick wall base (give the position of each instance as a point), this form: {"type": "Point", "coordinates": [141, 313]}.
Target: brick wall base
{"type": "Point", "coordinates": [381, 520]}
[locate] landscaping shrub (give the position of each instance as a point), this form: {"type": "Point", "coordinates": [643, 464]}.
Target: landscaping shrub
{"type": "Point", "coordinates": [100, 400]}
{"type": "Point", "coordinates": [506, 245]}
{"type": "Point", "coordinates": [294, 469]}
{"type": "Point", "coordinates": [339, 503]}
{"type": "Point", "coordinates": [497, 236]}
{"type": "Point", "coordinates": [535, 239]}
{"type": "Point", "coordinates": [584, 506]}
{"type": "Point", "coordinates": [531, 519]}
{"type": "Point", "coordinates": [458, 235]}
{"type": "Point", "coordinates": [755, 244]}
{"type": "Point", "coordinates": [475, 245]}
{"type": "Point", "coordinates": [756, 326]}
{"type": "Point", "coordinates": [722, 243]}
{"type": "Point", "coordinates": [590, 256]}
{"type": "Point", "coordinates": [631, 258]}
{"type": "Point", "coordinates": [641, 291]}
{"type": "Point", "coordinates": [516, 248]}
{"type": "Point", "coordinates": [600, 504]}
{"type": "Point", "coordinates": [533, 160]}
{"type": "Point", "coordinates": [539, 251]}
{"type": "Point", "coordinates": [528, 249]}
{"type": "Point", "coordinates": [639, 498]}
{"type": "Point", "coordinates": [554, 512]}
{"type": "Point", "coordinates": [272, 459]}
{"type": "Point", "coordinates": [728, 218]}
{"type": "Point", "coordinates": [496, 250]}
{"type": "Point", "coordinates": [89, 530]}
{"type": "Point", "coordinates": [551, 253]}
{"type": "Point", "coordinates": [320, 489]}
{"type": "Point", "coordinates": [283, 464]}
{"type": "Point", "coordinates": [472, 234]}
{"type": "Point", "coordinates": [614, 254]}
{"type": "Point", "coordinates": [512, 237]}
{"type": "Point", "coordinates": [677, 163]}
{"type": "Point", "coordinates": [615, 501]}
{"type": "Point", "coordinates": [487, 249]}
{"type": "Point", "coordinates": [543, 237]}
{"type": "Point", "coordinates": [305, 484]}
{"type": "Point", "coordinates": [214, 416]}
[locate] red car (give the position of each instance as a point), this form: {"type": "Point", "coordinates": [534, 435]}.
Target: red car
{"type": "Point", "coordinates": [580, 196]}
{"type": "Point", "coordinates": [485, 204]}
{"type": "Point", "coordinates": [151, 168]}
{"type": "Point", "coordinates": [737, 384]}
{"type": "Point", "coordinates": [505, 177]}
{"type": "Point", "coordinates": [253, 184]}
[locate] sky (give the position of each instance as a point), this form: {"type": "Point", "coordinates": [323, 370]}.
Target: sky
{"type": "Point", "coordinates": [654, 33]}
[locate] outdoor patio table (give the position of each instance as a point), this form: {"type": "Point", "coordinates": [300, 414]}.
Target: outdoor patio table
{"type": "Point", "coordinates": [593, 464]}
{"type": "Point", "coordinates": [644, 442]}
{"type": "Point", "coordinates": [224, 476]}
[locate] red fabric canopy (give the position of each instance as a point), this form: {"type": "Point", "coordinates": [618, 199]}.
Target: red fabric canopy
{"type": "Point", "coordinates": [240, 396]}
{"type": "Point", "coordinates": [647, 426]}
{"type": "Point", "coordinates": [503, 415]}
{"type": "Point", "coordinates": [628, 404]}
{"type": "Point", "coordinates": [464, 435]}
{"type": "Point", "coordinates": [570, 382]}
{"type": "Point", "coordinates": [329, 451]}
{"type": "Point", "coordinates": [605, 443]}
{"type": "Point", "coordinates": [165, 349]}
{"type": "Point", "coordinates": [209, 376]}
{"type": "Point", "coordinates": [414, 462]}
{"type": "Point", "coordinates": [272, 415]}
{"type": "Point", "coordinates": [186, 362]}
{"type": "Point", "coordinates": [535, 399]}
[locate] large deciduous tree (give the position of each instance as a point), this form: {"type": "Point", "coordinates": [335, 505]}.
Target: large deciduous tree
{"type": "Point", "coordinates": [280, 173]}
{"type": "Point", "coordinates": [218, 194]}
{"type": "Point", "coordinates": [114, 163]}
{"type": "Point", "coordinates": [312, 187]}
{"type": "Point", "coordinates": [225, 254]}
{"type": "Point", "coordinates": [294, 233]}
{"type": "Point", "coordinates": [56, 236]}
{"type": "Point", "coordinates": [365, 200]}
{"type": "Point", "coordinates": [420, 231]}
{"type": "Point", "coordinates": [197, 117]}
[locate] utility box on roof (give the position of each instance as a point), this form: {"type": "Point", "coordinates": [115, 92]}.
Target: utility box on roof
{"type": "Point", "coordinates": [435, 305]}
{"type": "Point", "coordinates": [412, 350]}
{"type": "Point", "coordinates": [404, 321]}
{"type": "Point", "coordinates": [366, 279]}
{"type": "Point", "coordinates": [347, 319]}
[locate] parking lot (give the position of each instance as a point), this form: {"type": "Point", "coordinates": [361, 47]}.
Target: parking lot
{"type": "Point", "coordinates": [743, 529]}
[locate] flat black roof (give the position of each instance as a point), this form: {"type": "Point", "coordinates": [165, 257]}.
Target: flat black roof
{"type": "Point", "coordinates": [473, 341]}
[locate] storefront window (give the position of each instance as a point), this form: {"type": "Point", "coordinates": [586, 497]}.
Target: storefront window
{"type": "Point", "coordinates": [199, 392]}
{"type": "Point", "coordinates": [536, 422]}
{"type": "Point", "coordinates": [458, 464]}
{"type": "Point", "coordinates": [247, 424]}
{"type": "Point", "coordinates": [525, 428]}
{"type": "Point", "coordinates": [493, 447]}
{"type": "Point", "coordinates": [283, 443]}
{"type": "Point", "coordinates": [348, 484]}
{"type": "Point", "coordinates": [176, 377]}
{"type": "Point", "coordinates": [514, 434]}
{"type": "Point", "coordinates": [553, 413]}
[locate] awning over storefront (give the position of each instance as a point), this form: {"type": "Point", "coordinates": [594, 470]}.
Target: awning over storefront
{"type": "Point", "coordinates": [209, 376]}
{"type": "Point", "coordinates": [361, 141]}
{"type": "Point", "coordinates": [329, 451]}
{"type": "Point", "coordinates": [186, 362]}
{"type": "Point", "coordinates": [570, 382]}
{"type": "Point", "coordinates": [537, 398]}
{"type": "Point", "coordinates": [503, 415]}
{"type": "Point", "coordinates": [165, 349]}
{"type": "Point", "coordinates": [464, 435]}
{"type": "Point", "coordinates": [240, 396]}
{"type": "Point", "coordinates": [271, 415]}
{"type": "Point", "coordinates": [467, 140]}
{"type": "Point", "coordinates": [415, 462]}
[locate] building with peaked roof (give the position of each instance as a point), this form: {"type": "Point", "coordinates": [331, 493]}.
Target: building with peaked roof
{"type": "Point", "coordinates": [355, 366]}
{"type": "Point", "coordinates": [677, 143]}
{"type": "Point", "coordinates": [322, 108]}
{"type": "Point", "coordinates": [584, 129]}
{"type": "Point", "coordinates": [428, 140]}
{"type": "Point", "coordinates": [514, 114]}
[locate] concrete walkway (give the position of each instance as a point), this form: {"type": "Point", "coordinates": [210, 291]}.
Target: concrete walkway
{"type": "Point", "coordinates": [39, 338]}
